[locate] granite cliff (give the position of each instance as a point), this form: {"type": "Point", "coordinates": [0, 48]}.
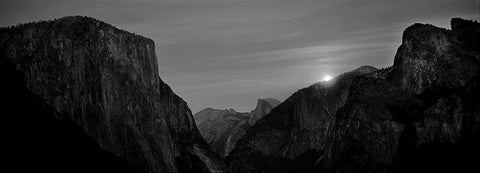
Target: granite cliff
{"type": "Point", "coordinates": [264, 106]}
{"type": "Point", "coordinates": [39, 138]}
{"type": "Point", "coordinates": [223, 128]}
{"type": "Point", "coordinates": [282, 139]}
{"type": "Point", "coordinates": [106, 82]}
{"type": "Point", "coordinates": [216, 126]}
{"type": "Point", "coordinates": [421, 114]}
{"type": "Point", "coordinates": [83, 95]}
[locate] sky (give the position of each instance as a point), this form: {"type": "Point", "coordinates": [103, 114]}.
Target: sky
{"type": "Point", "coordinates": [228, 53]}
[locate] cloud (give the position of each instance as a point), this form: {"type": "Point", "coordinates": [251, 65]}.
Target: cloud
{"type": "Point", "coordinates": [226, 53]}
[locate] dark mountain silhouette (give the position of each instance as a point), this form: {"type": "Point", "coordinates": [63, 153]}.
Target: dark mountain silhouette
{"type": "Point", "coordinates": [101, 84]}
{"type": "Point", "coordinates": [298, 125]}
{"type": "Point", "coordinates": [81, 95]}
{"type": "Point", "coordinates": [223, 128]}
{"type": "Point", "coordinates": [42, 139]}
{"type": "Point", "coordinates": [421, 114]}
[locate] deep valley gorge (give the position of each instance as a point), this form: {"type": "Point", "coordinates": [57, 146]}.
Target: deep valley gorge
{"type": "Point", "coordinates": [83, 95]}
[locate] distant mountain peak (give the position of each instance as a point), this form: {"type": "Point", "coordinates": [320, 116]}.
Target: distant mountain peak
{"type": "Point", "coordinates": [264, 106]}
{"type": "Point", "coordinates": [268, 100]}
{"type": "Point", "coordinates": [223, 128]}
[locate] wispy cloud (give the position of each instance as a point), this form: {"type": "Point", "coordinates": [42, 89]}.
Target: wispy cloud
{"type": "Point", "coordinates": [227, 53]}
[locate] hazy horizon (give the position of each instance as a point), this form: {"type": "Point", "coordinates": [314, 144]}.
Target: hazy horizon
{"type": "Point", "coordinates": [228, 53]}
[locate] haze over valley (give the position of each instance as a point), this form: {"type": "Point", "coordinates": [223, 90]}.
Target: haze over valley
{"type": "Point", "coordinates": [240, 85]}
{"type": "Point", "coordinates": [211, 51]}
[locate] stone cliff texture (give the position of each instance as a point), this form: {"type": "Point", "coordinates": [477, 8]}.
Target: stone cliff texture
{"type": "Point", "coordinates": [283, 139]}
{"type": "Point", "coordinates": [264, 106]}
{"type": "Point", "coordinates": [223, 128]}
{"type": "Point", "coordinates": [106, 81]}
{"type": "Point", "coordinates": [421, 114]}
{"type": "Point", "coordinates": [217, 125]}
{"type": "Point", "coordinates": [40, 139]}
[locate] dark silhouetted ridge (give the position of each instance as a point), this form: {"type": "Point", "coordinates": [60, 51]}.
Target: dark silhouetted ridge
{"type": "Point", "coordinates": [421, 114]}
{"type": "Point", "coordinates": [106, 81]}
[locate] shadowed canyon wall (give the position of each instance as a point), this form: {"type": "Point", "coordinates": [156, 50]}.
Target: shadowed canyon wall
{"type": "Point", "coordinates": [106, 81]}
{"type": "Point", "coordinates": [420, 114]}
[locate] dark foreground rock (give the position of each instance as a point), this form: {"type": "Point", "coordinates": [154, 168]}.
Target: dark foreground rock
{"type": "Point", "coordinates": [38, 138]}
{"type": "Point", "coordinates": [106, 81]}
{"type": "Point", "coordinates": [421, 114]}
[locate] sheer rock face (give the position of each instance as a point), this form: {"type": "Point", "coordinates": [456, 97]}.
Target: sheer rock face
{"type": "Point", "coordinates": [264, 106]}
{"type": "Point", "coordinates": [217, 125]}
{"type": "Point", "coordinates": [432, 57]}
{"type": "Point", "coordinates": [40, 139]}
{"type": "Point", "coordinates": [295, 129]}
{"type": "Point", "coordinates": [223, 128]}
{"type": "Point", "coordinates": [107, 81]}
{"type": "Point", "coordinates": [422, 114]}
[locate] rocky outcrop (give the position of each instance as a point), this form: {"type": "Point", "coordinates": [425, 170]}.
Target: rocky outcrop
{"type": "Point", "coordinates": [85, 95]}
{"type": "Point", "coordinates": [216, 126]}
{"type": "Point", "coordinates": [283, 139]}
{"type": "Point", "coordinates": [223, 128]}
{"type": "Point", "coordinates": [264, 106]}
{"type": "Point", "coordinates": [38, 138]}
{"type": "Point", "coordinates": [421, 114]}
{"type": "Point", "coordinates": [106, 81]}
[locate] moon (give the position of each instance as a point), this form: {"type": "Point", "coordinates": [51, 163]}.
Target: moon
{"type": "Point", "coordinates": [327, 78]}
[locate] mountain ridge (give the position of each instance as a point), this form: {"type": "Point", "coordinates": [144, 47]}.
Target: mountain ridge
{"type": "Point", "coordinates": [426, 117]}
{"type": "Point", "coordinates": [291, 127]}
{"type": "Point", "coordinates": [107, 81]}
{"type": "Point", "coordinates": [418, 114]}
{"type": "Point", "coordinates": [222, 128]}
{"type": "Point", "coordinates": [85, 95]}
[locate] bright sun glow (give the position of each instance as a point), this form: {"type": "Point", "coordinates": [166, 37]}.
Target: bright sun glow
{"type": "Point", "coordinates": [327, 78]}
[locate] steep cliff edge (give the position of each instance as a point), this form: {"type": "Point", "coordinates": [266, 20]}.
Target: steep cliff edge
{"type": "Point", "coordinates": [283, 139]}
{"type": "Point", "coordinates": [38, 138]}
{"type": "Point", "coordinates": [420, 115]}
{"type": "Point", "coordinates": [223, 128]}
{"type": "Point", "coordinates": [106, 80]}
{"type": "Point", "coordinates": [264, 106]}
{"type": "Point", "coordinates": [217, 125]}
